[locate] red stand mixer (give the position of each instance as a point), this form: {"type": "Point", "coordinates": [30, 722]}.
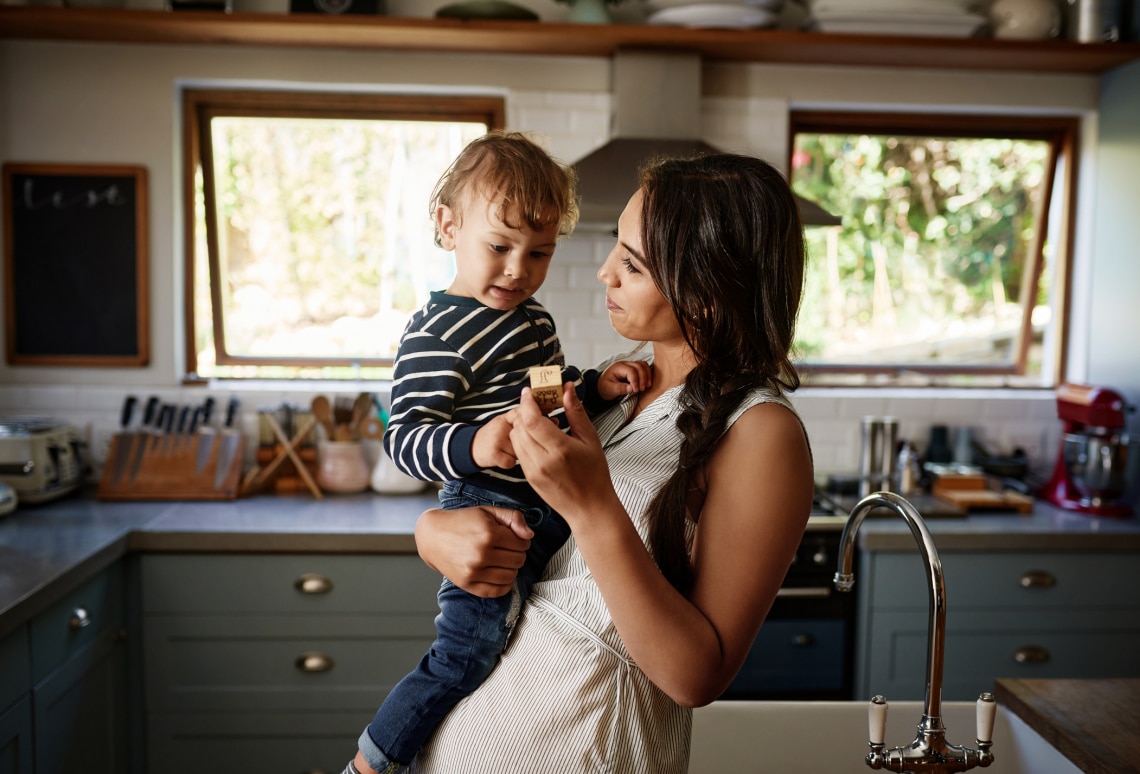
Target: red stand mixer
{"type": "Point", "coordinates": [1094, 472]}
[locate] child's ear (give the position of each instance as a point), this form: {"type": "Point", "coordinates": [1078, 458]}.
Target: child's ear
{"type": "Point", "coordinates": [446, 224]}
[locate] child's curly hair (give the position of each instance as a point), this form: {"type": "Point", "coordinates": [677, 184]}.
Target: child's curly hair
{"type": "Point", "coordinates": [517, 173]}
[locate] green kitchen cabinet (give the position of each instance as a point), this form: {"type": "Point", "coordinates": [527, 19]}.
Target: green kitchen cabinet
{"type": "Point", "coordinates": [79, 671]}
{"type": "Point", "coordinates": [275, 662]}
{"type": "Point", "coordinates": [15, 703]}
{"type": "Point", "coordinates": [1052, 614]}
{"type": "Point", "coordinates": [63, 685]}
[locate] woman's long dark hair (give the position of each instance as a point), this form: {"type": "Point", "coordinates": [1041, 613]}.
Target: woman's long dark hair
{"type": "Point", "coordinates": [724, 243]}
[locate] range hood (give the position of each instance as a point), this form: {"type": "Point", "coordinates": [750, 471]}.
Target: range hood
{"type": "Point", "coordinates": [657, 112]}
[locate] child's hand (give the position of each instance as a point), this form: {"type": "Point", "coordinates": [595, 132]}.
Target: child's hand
{"type": "Point", "coordinates": [492, 445]}
{"type": "Point", "coordinates": [625, 377]}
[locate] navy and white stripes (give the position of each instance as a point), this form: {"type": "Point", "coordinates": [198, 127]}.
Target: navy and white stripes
{"type": "Point", "coordinates": [461, 363]}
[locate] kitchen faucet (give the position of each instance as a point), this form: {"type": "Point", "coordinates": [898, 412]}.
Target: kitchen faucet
{"type": "Point", "coordinates": [929, 752]}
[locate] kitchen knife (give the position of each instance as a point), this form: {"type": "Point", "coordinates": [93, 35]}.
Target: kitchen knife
{"type": "Point", "coordinates": [143, 436]}
{"type": "Point", "coordinates": [166, 417]}
{"type": "Point", "coordinates": [123, 442]}
{"type": "Point", "coordinates": [180, 439]}
{"type": "Point", "coordinates": [206, 435]}
{"type": "Point", "coordinates": [229, 441]}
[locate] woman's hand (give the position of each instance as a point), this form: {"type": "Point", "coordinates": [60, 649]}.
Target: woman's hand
{"type": "Point", "coordinates": [569, 472]}
{"type": "Point", "coordinates": [479, 549]}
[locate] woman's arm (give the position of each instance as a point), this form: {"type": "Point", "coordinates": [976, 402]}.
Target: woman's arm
{"type": "Point", "coordinates": [479, 549]}
{"type": "Point", "coordinates": [758, 491]}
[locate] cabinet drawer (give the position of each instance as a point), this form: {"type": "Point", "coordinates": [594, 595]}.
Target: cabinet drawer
{"type": "Point", "coordinates": [800, 655]}
{"type": "Point", "coordinates": [92, 612]}
{"type": "Point", "coordinates": [981, 647]}
{"type": "Point", "coordinates": [16, 737]}
{"type": "Point", "coordinates": [1006, 580]}
{"type": "Point", "coordinates": [283, 743]}
{"type": "Point", "coordinates": [15, 667]}
{"type": "Point", "coordinates": [289, 583]}
{"type": "Point", "coordinates": [256, 663]}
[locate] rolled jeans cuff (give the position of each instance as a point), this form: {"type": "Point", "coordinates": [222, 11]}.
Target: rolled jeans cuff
{"type": "Point", "coordinates": [375, 756]}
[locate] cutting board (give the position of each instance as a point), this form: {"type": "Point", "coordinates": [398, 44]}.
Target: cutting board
{"type": "Point", "coordinates": [988, 500]}
{"type": "Point", "coordinates": [972, 493]}
{"type": "Point", "coordinates": [1092, 722]}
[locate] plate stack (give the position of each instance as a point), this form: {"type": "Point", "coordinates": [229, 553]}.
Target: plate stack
{"type": "Point", "coordinates": [933, 18]}
{"type": "Point", "coordinates": [702, 13]}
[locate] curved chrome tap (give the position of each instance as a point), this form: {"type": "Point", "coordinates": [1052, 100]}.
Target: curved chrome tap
{"type": "Point", "coordinates": [929, 751]}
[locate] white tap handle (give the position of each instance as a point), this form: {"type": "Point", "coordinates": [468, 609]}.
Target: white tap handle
{"type": "Point", "coordinates": [877, 719]}
{"type": "Point", "coordinates": [987, 709]}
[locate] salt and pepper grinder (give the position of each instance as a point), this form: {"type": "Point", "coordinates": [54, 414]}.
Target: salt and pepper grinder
{"type": "Point", "coordinates": [870, 453]}
{"type": "Point", "coordinates": [888, 464]}
{"type": "Point", "coordinates": [877, 460]}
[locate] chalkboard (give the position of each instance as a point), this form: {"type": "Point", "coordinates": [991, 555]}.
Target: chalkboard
{"type": "Point", "coordinates": [75, 265]}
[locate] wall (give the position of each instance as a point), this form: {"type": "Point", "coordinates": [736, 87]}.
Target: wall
{"type": "Point", "coordinates": [1114, 358]}
{"type": "Point", "coordinates": [66, 102]}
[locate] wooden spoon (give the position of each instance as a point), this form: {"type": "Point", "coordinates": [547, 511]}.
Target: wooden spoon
{"type": "Point", "coordinates": [360, 411]}
{"type": "Point", "coordinates": [322, 410]}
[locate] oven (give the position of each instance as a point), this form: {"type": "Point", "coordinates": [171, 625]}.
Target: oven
{"type": "Point", "coordinates": [805, 649]}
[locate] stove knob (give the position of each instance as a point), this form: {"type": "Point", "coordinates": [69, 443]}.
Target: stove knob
{"type": "Point", "coordinates": [820, 557]}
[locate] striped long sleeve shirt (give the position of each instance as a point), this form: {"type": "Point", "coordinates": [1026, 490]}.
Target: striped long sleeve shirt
{"type": "Point", "coordinates": [459, 364]}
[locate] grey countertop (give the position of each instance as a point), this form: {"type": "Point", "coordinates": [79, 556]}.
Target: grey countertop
{"type": "Point", "coordinates": [48, 550]}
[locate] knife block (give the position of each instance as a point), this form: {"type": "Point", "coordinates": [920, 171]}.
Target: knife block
{"type": "Point", "coordinates": [169, 468]}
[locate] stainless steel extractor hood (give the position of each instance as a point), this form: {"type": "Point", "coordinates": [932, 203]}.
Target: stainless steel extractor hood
{"type": "Point", "coordinates": [657, 112]}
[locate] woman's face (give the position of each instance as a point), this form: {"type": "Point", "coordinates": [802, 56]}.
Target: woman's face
{"type": "Point", "coordinates": [637, 309]}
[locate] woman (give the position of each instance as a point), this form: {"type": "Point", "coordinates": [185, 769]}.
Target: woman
{"type": "Point", "coordinates": [686, 503]}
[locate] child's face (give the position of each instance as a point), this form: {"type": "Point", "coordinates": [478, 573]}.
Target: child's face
{"type": "Point", "coordinates": [496, 264]}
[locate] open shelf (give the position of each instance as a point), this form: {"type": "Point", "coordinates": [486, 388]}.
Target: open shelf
{"type": "Point", "coordinates": [390, 33]}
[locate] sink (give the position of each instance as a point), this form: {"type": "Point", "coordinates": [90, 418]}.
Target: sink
{"type": "Point", "coordinates": [777, 737]}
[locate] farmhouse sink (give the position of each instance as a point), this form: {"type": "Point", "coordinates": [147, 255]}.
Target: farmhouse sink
{"type": "Point", "coordinates": [782, 737]}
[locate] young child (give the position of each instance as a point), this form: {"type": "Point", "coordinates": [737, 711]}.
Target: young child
{"type": "Point", "coordinates": [462, 363]}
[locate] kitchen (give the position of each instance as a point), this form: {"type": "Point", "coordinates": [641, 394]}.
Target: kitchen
{"type": "Point", "coordinates": [116, 104]}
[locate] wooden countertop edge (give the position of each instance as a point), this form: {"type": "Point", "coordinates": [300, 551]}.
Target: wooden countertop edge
{"type": "Point", "coordinates": [1091, 722]}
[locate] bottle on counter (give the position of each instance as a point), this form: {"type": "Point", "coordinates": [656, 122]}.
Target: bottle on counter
{"type": "Point", "coordinates": [908, 469]}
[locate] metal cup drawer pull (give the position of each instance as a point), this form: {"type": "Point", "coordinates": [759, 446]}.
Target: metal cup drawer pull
{"type": "Point", "coordinates": [313, 583]}
{"type": "Point", "coordinates": [79, 619]}
{"type": "Point", "coordinates": [1031, 654]}
{"type": "Point", "coordinates": [314, 662]}
{"type": "Point", "coordinates": [1038, 579]}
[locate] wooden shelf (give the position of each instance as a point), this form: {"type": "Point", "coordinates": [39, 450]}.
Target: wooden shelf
{"type": "Point", "coordinates": [389, 33]}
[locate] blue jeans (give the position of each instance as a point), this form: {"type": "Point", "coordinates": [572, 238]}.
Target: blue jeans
{"type": "Point", "coordinates": [471, 632]}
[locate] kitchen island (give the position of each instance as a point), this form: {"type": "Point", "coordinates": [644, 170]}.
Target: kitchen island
{"type": "Point", "coordinates": [1094, 721]}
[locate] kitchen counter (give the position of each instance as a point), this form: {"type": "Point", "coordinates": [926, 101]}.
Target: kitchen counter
{"type": "Point", "coordinates": [1092, 722]}
{"type": "Point", "coordinates": [47, 550]}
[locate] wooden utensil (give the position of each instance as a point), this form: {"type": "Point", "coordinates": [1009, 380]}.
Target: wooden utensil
{"type": "Point", "coordinates": [322, 410]}
{"type": "Point", "coordinates": [360, 411]}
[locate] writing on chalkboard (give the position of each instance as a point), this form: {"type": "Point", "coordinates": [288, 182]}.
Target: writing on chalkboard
{"type": "Point", "coordinates": [75, 265]}
{"type": "Point", "coordinates": [59, 199]}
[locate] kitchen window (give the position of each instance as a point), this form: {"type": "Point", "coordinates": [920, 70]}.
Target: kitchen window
{"type": "Point", "coordinates": [951, 265]}
{"type": "Point", "coordinates": [309, 243]}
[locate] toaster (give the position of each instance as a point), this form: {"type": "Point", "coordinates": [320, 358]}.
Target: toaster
{"type": "Point", "coordinates": [39, 459]}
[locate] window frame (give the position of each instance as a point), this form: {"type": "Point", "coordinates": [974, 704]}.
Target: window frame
{"type": "Point", "coordinates": [201, 105]}
{"type": "Point", "coordinates": [1063, 134]}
